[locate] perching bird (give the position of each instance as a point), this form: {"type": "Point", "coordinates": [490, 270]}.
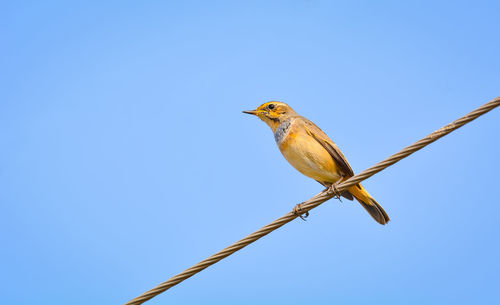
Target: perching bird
{"type": "Point", "coordinates": [313, 153]}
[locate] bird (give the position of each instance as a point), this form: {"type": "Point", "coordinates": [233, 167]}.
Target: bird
{"type": "Point", "coordinates": [309, 150]}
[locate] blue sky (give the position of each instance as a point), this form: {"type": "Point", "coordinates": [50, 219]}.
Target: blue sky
{"type": "Point", "coordinates": [126, 159]}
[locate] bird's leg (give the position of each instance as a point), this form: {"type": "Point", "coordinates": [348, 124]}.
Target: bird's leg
{"type": "Point", "coordinates": [297, 210]}
{"type": "Point", "coordinates": [333, 188]}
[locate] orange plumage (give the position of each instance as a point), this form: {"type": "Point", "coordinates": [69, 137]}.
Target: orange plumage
{"type": "Point", "coordinates": [307, 148]}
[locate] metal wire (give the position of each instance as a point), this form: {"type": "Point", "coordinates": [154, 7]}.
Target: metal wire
{"type": "Point", "coordinates": [314, 202]}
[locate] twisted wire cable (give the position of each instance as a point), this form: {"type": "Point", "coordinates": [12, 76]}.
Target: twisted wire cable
{"type": "Point", "coordinates": [314, 202]}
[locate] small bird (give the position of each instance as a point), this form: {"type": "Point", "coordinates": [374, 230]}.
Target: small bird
{"type": "Point", "coordinates": [313, 153]}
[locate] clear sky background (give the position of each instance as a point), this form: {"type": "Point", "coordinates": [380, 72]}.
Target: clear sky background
{"type": "Point", "coordinates": [125, 157]}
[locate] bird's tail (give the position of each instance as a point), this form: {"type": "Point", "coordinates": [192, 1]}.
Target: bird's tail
{"type": "Point", "coordinates": [369, 203]}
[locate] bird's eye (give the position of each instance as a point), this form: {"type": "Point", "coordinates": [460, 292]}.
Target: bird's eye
{"type": "Point", "coordinates": [271, 106]}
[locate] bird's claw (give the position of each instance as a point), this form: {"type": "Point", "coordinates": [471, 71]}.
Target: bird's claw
{"type": "Point", "coordinates": [297, 210]}
{"type": "Point", "coordinates": [334, 190]}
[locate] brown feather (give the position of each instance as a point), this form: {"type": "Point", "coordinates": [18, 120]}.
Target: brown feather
{"type": "Point", "coordinates": [321, 137]}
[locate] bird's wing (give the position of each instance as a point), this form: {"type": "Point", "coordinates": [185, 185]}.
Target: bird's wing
{"type": "Point", "coordinates": [320, 136]}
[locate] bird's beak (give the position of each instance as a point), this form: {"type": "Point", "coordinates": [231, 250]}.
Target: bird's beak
{"type": "Point", "coordinates": [254, 112]}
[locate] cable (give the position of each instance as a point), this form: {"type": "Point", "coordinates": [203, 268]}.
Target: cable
{"type": "Point", "coordinates": [314, 202]}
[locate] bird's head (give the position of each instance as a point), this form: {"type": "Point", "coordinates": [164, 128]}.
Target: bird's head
{"type": "Point", "coordinates": [273, 113]}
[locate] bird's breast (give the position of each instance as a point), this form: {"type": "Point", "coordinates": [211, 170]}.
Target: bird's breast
{"type": "Point", "coordinates": [305, 154]}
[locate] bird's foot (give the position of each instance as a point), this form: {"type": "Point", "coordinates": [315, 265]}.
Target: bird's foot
{"type": "Point", "coordinates": [297, 210]}
{"type": "Point", "coordinates": [334, 190]}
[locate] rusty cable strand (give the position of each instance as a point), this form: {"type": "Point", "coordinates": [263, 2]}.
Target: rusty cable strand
{"type": "Point", "coordinates": [315, 201]}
